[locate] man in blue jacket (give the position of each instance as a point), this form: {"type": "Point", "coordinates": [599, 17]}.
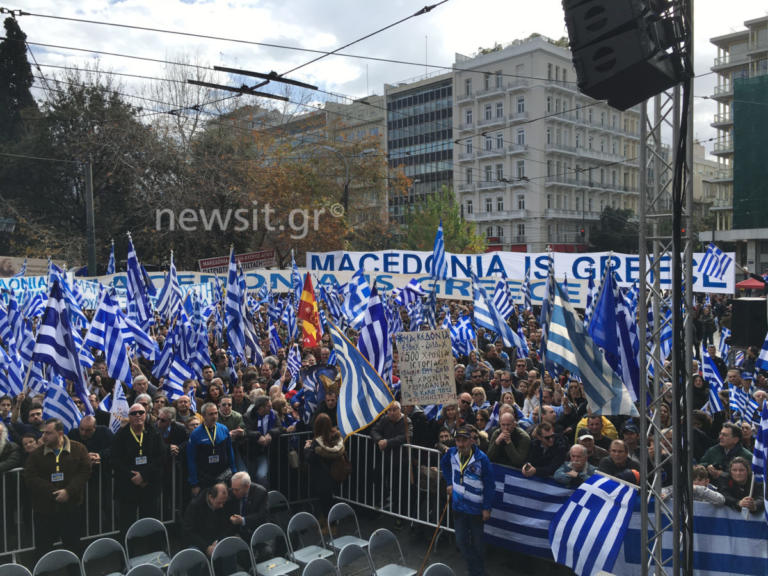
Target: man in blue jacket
{"type": "Point", "coordinates": [469, 476]}
{"type": "Point", "coordinates": [210, 458]}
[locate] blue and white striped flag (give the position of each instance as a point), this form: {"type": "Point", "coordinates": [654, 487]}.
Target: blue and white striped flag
{"type": "Point", "coordinates": [294, 361]}
{"type": "Point", "coordinates": [503, 300]}
{"type": "Point", "coordinates": [178, 373]}
{"type": "Point", "coordinates": [591, 297]}
{"type": "Point", "coordinates": [526, 290]}
{"type": "Point", "coordinates": [169, 299]}
{"type": "Point", "coordinates": [297, 282]}
{"type": "Point", "coordinates": [410, 293]}
{"type": "Point", "coordinates": [737, 400]}
{"type": "Point", "coordinates": [665, 339]}
{"type": "Point", "coordinates": [723, 349]}
{"type": "Point", "coordinates": [363, 396]}
{"type": "Point", "coordinates": [111, 262]}
{"type": "Point", "coordinates": [712, 377]}
{"type": "Point", "coordinates": [117, 407]}
{"type": "Point", "coordinates": [487, 316]}
{"type": "Point", "coordinates": [762, 360]}
{"type": "Point", "coordinates": [23, 270]}
{"type": "Point", "coordinates": [138, 289]}
{"type": "Point", "coordinates": [493, 420]}
{"type": "Point", "coordinates": [571, 347]}
{"type": "Point", "coordinates": [356, 299]}
{"type": "Point", "coordinates": [738, 359]}
{"type": "Point", "coordinates": [760, 455]}
{"type": "Point", "coordinates": [11, 377]}
{"type": "Point", "coordinates": [715, 262]}
{"type": "Point", "coordinates": [234, 310]}
{"type": "Point", "coordinates": [58, 404]}
{"type": "Point", "coordinates": [546, 311]}
{"type": "Point", "coordinates": [55, 344]}
{"type": "Point", "coordinates": [415, 315]}
{"type": "Point", "coordinates": [439, 269]}
{"type": "Point", "coordinates": [105, 334]}
{"type": "Point", "coordinates": [288, 317]}
{"type": "Point", "coordinates": [373, 341]}
{"type": "Point", "coordinates": [588, 531]}
{"type": "Point", "coordinates": [274, 340]}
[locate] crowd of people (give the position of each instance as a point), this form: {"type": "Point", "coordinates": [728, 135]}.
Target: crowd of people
{"type": "Point", "coordinates": [221, 433]}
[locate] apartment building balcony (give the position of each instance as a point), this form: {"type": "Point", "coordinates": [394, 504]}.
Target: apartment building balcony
{"type": "Point", "coordinates": [722, 120]}
{"type": "Point", "coordinates": [723, 92]}
{"type": "Point", "coordinates": [721, 176]}
{"type": "Point", "coordinates": [721, 206]}
{"type": "Point", "coordinates": [493, 152]}
{"type": "Point", "coordinates": [757, 46]}
{"type": "Point", "coordinates": [491, 122]}
{"type": "Point", "coordinates": [571, 214]}
{"type": "Point", "coordinates": [466, 187]}
{"type": "Point", "coordinates": [491, 91]}
{"type": "Point", "coordinates": [569, 181]}
{"type": "Point", "coordinates": [517, 84]}
{"type": "Point", "coordinates": [466, 126]}
{"type": "Point", "coordinates": [502, 215]}
{"type": "Point", "coordinates": [722, 148]}
{"type": "Point", "coordinates": [466, 156]}
{"type": "Point", "coordinates": [729, 61]}
{"type": "Point", "coordinates": [570, 87]}
{"type": "Point", "coordinates": [518, 117]}
{"type": "Point", "coordinates": [490, 185]}
{"type": "Point", "coordinates": [516, 148]}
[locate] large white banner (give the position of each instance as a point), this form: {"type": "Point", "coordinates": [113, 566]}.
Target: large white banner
{"type": "Point", "coordinates": [515, 264]}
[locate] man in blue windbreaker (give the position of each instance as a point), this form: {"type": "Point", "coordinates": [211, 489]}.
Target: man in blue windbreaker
{"type": "Point", "coordinates": [469, 476]}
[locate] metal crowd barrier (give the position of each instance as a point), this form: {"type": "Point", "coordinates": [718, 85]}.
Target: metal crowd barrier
{"type": "Point", "coordinates": [405, 483]}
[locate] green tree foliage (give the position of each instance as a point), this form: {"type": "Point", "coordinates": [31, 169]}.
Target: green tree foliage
{"type": "Point", "coordinates": [616, 232]}
{"type": "Point", "coordinates": [461, 237]}
{"type": "Point", "coordinates": [15, 82]}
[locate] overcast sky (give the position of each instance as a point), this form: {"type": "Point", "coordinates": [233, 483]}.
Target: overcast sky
{"type": "Point", "coordinates": [433, 38]}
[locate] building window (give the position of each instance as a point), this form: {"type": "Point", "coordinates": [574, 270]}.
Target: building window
{"type": "Point", "coordinates": [487, 81]}
{"type": "Point", "coordinates": [589, 143]}
{"type": "Point", "coordinates": [500, 140]}
{"type": "Point", "coordinates": [602, 176]}
{"type": "Point", "coordinates": [499, 109]}
{"type": "Point", "coordinates": [549, 71]}
{"type": "Point", "coordinates": [577, 172]}
{"type": "Point", "coordinates": [549, 167]}
{"type": "Point", "coordinates": [469, 175]}
{"type": "Point", "coordinates": [500, 172]}
{"type": "Point", "coordinates": [489, 232]}
{"type": "Point", "coordinates": [488, 205]}
{"type": "Point", "coordinates": [565, 77]}
{"type": "Point", "coordinates": [549, 201]}
{"type": "Point", "coordinates": [488, 112]}
{"type": "Point", "coordinates": [468, 116]}
{"type": "Point", "coordinates": [578, 204]}
{"type": "Point", "coordinates": [602, 118]}
{"type": "Point", "coordinates": [589, 204]}
{"type": "Point", "coordinates": [520, 138]}
{"type": "Point", "coordinates": [549, 104]}
{"type": "Point", "coordinates": [521, 230]}
{"type": "Point", "coordinates": [489, 173]}
{"type": "Point", "coordinates": [500, 203]}
{"type": "Point", "coordinates": [488, 142]}
{"type": "Point", "coordinates": [521, 202]}
{"type": "Point", "coordinates": [578, 140]}
{"type": "Point", "coordinates": [521, 104]}
{"type": "Point", "coordinates": [500, 231]}
{"type": "Point", "coordinates": [549, 135]}
{"type": "Point", "coordinates": [590, 115]}
{"type": "Point", "coordinates": [468, 87]}
{"type": "Point", "coordinates": [469, 206]}
{"type": "Point", "coordinates": [499, 79]}
{"type": "Point", "coordinates": [468, 147]}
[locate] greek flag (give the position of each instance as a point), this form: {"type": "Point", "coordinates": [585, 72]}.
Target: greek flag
{"type": "Point", "coordinates": [297, 283]}
{"type": "Point", "coordinates": [410, 293]}
{"type": "Point", "coordinates": [274, 340]}
{"type": "Point", "coordinates": [294, 361]}
{"type": "Point", "coordinates": [762, 360]}
{"type": "Point", "coordinates": [11, 378]}
{"type": "Point", "coordinates": [374, 342]}
{"type": "Point", "coordinates": [178, 373]}
{"type": "Point", "coordinates": [288, 317]}
{"type": "Point", "coordinates": [163, 363]}
{"type": "Point", "coordinates": [415, 315]}
{"type": "Point", "coordinates": [332, 304]}
{"type": "Point", "coordinates": [56, 346]}
{"type": "Point", "coordinates": [546, 311]}
{"type": "Point", "coordinates": [760, 456]}
{"type": "Point", "coordinates": [34, 305]}
{"type": "Point", "coordinates": [169, 299]}
{"type": "Point", "coordinates": [588, 531]}
{"type": "Point", "coordinates": [58, 404]}
{"type": "Point", "coordinates": [111, 263]}
{"type": "Point", "coordinates": [356, 299]}
{"type": "Point", "coordinates": [137, 289]}
{"type": "Point", "coordinates": [234, 310]}
{"type": "Point", "coordinates": [135, 336]}
{"type": "Point", "coordinates": [363, 396]}
{"type": "Point", "coordinates": [466, 335]}
{"type": "Point", "coordinates": [526, 290]}
{"type": "Point", "coordinates": [503, 300]}
{"type": "Point", "coordinates": [591, 297]}
{"type": "Point", "coordinates": [487, 316]}
{"type": "Point", "coordinates": [738, 359]}
{"type": "Point", "coordinates": [712, 377]}
{"type": "Point", "coordinates": [571, 347]}
{"type": "Point", "coordinates": [493, 419]}
{"type": "Point", "coordinates": [105, 334]}
{"type": "Point", "coordinates": [715, 262]}
{"type": "Point", "coordinates": [737, 399]}
{"type": "Point", "coordinates": [117, 407]}
{"type": "Point", "coordinates": [439, 263]}
{"type": "Point", "coordinates": [23, 270]}
{"type": "Point", "coordinates": [665, 339]}
{"type": "Point", "coordinates": [394, 321]}
{"type": "Point", "coordinates": [722, 351]}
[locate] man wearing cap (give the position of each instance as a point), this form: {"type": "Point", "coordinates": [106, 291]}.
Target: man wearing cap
{"type": "Point", "coordinates": [630, 433]}
{"type": "Point", "coordinates": [469, 476]}
{"type": "Point", "coordinates": [594, 453]}
{"type": "Point", "coordinates": [137, 461]}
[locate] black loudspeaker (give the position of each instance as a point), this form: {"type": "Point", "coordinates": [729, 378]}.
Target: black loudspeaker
{"type": "Point", "coordinates": [748, 324]}
{"type": "Point", "coordinates": [620, 49]}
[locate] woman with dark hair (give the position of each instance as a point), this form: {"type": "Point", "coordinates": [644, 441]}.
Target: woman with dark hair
{"type": "Point", "coordinates": [215, 391]}
{"type": "Point", "coordinates": [736, 487]}
{"type": "Point", "coordinates": [700, 391]}
{"type": "Point", "coordinates": [328, 465]}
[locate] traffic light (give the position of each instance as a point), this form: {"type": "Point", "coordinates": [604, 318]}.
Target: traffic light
{"type": "Point", "coordinates": [624, 51]}
{"type": "Point", "coordinates": [582, 232]}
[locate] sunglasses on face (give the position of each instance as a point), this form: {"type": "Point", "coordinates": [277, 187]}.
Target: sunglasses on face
{"type": "Point", "coordinates": [137, 413]}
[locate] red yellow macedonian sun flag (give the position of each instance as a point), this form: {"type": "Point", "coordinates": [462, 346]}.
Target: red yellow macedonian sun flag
{"type": "Point", "coordinates": [308, 315]}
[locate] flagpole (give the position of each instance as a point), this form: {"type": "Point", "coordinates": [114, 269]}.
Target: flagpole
{"type": "Point", "coordinates": [746, 511]}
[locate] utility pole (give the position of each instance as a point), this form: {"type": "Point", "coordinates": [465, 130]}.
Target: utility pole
{"type": "Point", "coordinates": [90, 220]}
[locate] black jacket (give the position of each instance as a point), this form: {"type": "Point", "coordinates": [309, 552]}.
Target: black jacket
{"type": "Point", "coordinates": [202, 526]}
{"type": "Point", "coordinates": [253, 508]}
{"type": "Point", "coordinates": [125, 451]}
{"type": "Point", "coordinates": [100, 442]}
{"type": "Point", "coordinates": [547, 459]}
